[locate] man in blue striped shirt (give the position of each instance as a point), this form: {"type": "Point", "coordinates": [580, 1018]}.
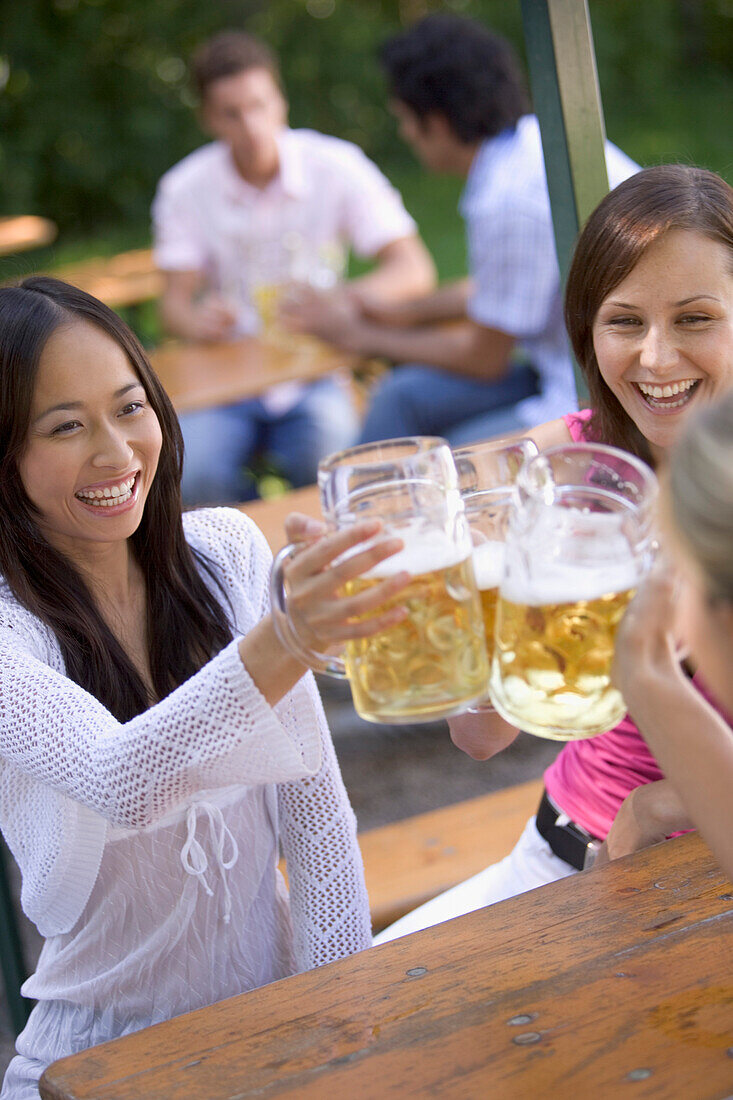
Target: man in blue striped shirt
{"type": "Point", "coordinates": [459, 97]}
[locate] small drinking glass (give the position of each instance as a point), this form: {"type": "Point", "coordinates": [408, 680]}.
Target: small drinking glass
{"type": "Point", "coordinates": [280, 271]}
{"type": "Point", "coordinates": [273, 268]}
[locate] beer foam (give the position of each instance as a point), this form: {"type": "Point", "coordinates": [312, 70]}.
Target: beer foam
{"type": "Point", "coordinates": [423, 553]}
{"type": "Point", "coordinates": [488, 564]}
{"type": "Point", "coordinates": [569, 582]}
{"type": "Point", "coordinates": [571, 555]}
{"type": "Point", "coordinates": [578, 535]}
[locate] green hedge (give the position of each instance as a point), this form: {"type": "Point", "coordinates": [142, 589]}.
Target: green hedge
{"type": "Point", "coordinates": [95, 107]}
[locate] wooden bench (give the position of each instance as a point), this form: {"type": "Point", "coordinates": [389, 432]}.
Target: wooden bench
{"type": "Point", "coordinates": [410, 861]}
{"type": "Point", "coordinates": [24, 231]}
{"type": "Point", "coordinates": [121, 281]}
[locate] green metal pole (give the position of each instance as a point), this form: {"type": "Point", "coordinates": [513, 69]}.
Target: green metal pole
{"type": "Point", "coordinates": [11, 952]}
{"type": "Point", "coordinates": [567, 102]}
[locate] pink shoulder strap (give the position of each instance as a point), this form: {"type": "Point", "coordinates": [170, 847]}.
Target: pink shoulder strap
{"type": "Point", "coordinates": [576, 423]}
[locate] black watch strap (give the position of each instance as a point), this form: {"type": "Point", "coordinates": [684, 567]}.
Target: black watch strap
{"type": "Point", "coordinates": [566, 839]}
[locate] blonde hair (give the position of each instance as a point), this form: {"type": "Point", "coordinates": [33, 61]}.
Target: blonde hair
{"type": "Point", "coordinates": [701, 494]}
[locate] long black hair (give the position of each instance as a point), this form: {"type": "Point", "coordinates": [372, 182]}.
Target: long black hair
{"type": "Point", "coordinates": [186, 624]}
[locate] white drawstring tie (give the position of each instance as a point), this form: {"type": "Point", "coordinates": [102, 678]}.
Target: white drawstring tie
{"type": "Point", "coordinates": [193, 856]}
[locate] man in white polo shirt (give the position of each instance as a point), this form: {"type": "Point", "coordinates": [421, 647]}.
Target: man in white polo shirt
{"type": "Point", "coordinates": [261, 195]}
{"type": "Point", "coordinates": [459, 98]}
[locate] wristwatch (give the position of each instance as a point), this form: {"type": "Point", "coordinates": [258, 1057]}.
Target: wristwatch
{"type": "Point", "coordinates": [566, 839]}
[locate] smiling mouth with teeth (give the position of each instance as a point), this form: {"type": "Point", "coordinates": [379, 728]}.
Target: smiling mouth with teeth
{"type": "Point", "coordinates": [673, 395]}
{"type": "Point", "coordinates": [109, 497]}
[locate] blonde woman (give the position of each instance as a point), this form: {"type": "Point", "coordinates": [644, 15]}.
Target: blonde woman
{"type": "Point", "coordinates": [692, 741]}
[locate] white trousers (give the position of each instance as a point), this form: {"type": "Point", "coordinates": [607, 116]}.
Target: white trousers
{"type": "Point", "coordinates": [531, 863]}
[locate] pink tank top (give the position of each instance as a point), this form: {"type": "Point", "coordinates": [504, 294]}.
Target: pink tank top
{"type": "Point", "coordinates": [590, 779]}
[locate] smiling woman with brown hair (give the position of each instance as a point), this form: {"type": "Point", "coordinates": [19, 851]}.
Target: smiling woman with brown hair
{"type": "Point", "coordinates": [649, 310]}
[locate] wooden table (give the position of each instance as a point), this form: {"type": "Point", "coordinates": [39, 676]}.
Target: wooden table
{"type": "Point", "coordinates": [25, 231]}
{"type": "Point", "coordinates": [199, 376]}
{"type": "Point", "coordinates": [269, 515]}
{"type": "Point", "coordinates": [617, 983]}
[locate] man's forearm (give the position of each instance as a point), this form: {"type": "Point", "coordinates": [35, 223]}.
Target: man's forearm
{"type": "Point", "coordinates": [394, 282]}
{"type": "Point", "coordinates": [404, 270]}
{"type": "Point", "coordinates": [456, 347]}
{"type": "Point", "coordinates": [174, 314]}
{"type": "Point", "coordinates": [447, 303]}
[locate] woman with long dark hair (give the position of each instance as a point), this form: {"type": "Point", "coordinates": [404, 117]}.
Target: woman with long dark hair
{"type": "Point", "coordinates": [649, 311]}
{"type": "Point", "coordinates": [157, 743]}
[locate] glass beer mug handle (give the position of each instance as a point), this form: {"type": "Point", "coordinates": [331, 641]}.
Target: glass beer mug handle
{"type": "Point", "coordinates": [286, 632]}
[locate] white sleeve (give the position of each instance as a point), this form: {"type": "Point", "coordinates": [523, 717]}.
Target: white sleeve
{"type": "Point", "coordinates": [619, 166]}
{"type": "Point", "coordinates": [514, 268]}
{"type": "Point", "coordinates": [328, 898]}
{"type": "Point", "coordinates": [178, 243]}
{"type": "Point", "coordinates": [372, 212]}
{"type": "Point", "coordinates": [214, 730]}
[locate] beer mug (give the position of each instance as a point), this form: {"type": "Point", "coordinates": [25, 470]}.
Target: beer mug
{"type": "Point", "coordinates": [486, 476]}
{"type": "Point", "coordinates": [578, 542]}
{"type": "Point", "coordinates": [433, 663]}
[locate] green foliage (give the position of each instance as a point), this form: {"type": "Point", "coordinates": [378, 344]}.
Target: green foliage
{"type": "Point", "coordinates": [94, 104]}
{"type": "Point", "coordinates": [666, 77]}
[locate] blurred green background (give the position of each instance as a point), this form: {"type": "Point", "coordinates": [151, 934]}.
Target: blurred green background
{"type": "Point", "coordinates": [94, 102]}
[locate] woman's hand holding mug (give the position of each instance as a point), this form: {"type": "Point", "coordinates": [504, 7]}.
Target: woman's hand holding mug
{"type": "Point", "coordinates": [315, 574]}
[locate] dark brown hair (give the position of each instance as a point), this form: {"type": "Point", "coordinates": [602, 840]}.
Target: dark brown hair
{"type": "Point", "coordinates": [619, 231]}
{"type": "Point", "coordinates": [452, 66]}
{"type": "Point", "coordinates": [227, 54]}
{"type": "Point", "coordinates": [186, 625]}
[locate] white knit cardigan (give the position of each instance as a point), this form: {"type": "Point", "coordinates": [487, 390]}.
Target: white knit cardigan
{"type": "Point", "coordinates": [69, 769]}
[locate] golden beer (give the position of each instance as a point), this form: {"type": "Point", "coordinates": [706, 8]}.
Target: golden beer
{"type": "Point", "coordinates": [434, 661]}
{"type": "Point", "coordinates": [488, 566]}
{"type": "Point", "coordinates": [266, 298]}
{"type": "Point", "coordinates": [489, 600]}
{"type": "Point", "coordinates": [551, 669]}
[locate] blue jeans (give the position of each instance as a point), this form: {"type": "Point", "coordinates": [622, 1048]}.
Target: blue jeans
{"type": "Point", "coordinates": [221, 442]}
{"type": "Point", "coordinates": [418, 400]}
